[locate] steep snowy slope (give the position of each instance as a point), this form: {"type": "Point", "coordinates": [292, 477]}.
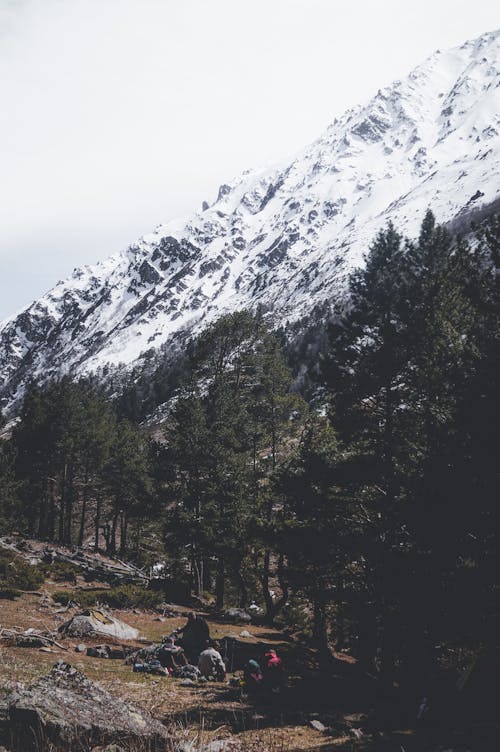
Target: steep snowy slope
{"type": "Point", "coordinates": [285, 237]}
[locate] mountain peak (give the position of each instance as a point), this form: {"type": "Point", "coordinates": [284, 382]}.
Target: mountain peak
{"type": "Point", "coordinates": [282, 238]}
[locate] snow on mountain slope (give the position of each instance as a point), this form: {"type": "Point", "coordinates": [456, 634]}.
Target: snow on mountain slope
{"type": "Point", "coordinates": [286, 237]}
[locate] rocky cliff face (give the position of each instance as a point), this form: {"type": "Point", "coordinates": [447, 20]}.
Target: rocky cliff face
{"type": "Point", "coordinates": [283, 238]}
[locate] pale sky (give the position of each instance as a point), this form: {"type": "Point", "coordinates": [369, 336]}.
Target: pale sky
{"type": "Point", "coordinates": [117, 115]}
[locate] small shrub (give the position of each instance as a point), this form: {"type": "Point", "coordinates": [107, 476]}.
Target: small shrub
{"type": "Point", "coordinates": [123, 596]}
{"type": "Point", "coordinates": [64, 571]}
{"type": "Point", "coordinates": [9, 593]}
{"type": "Point", "coordinates": [294, 615]}
{"type": "Point", "coordinates": [17, 573]}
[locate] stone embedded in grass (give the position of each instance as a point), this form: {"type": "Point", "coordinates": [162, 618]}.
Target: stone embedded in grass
{"type": "Point", "coordinates": [68, 711]}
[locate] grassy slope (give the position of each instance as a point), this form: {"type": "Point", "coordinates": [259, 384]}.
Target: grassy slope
{"type": "Point", "coordinates": [211, 706]}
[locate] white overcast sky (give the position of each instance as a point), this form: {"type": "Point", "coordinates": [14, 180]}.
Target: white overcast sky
{"type": "Point", "coordinates": [120, 114]}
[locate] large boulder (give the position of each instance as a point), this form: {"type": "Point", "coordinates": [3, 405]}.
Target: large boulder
{"type": "Point", "coordinates": [94, 621]}
{"type": "Point", "coordinates": [66, 711]}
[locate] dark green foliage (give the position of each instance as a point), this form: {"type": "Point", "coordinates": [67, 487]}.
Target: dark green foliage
{"type": "Point", "coordinates": [16, 574]}
{"type": "Point", "coordinates": [227, 435]}
{"type": "Point", "coordinates": [10, 511]}
{"type": "Point", "coordinates": [124, 596]}
{"type": "Point", "coordinates": [63, 571]}
{"type": "Point", "coordinates": [74, 459]}
{"type": "Point", "coordinates": [405, 366]}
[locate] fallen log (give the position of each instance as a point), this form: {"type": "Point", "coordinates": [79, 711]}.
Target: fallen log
{"type": "Point", "coordinates": [13, 634]}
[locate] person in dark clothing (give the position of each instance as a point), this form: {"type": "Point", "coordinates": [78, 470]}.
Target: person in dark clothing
{"type": "Point", "coordinates": [171, 656]}
{"type": "Point", "coordinates": [195, 636]}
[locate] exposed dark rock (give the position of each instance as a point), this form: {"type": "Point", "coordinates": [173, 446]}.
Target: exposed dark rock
{"type": "Point", "coordinates": [223, 191]}
{"type": "Point", "coordinates": [148, 273]}
{"type": "Point", "coordinates": [118, 652]}
{"type": "Point", "coordinates": [478, 194]}
{"type": "Point", "coordinates": [65, 711]}
{"type": "Point", "coordinates": [211, 266]}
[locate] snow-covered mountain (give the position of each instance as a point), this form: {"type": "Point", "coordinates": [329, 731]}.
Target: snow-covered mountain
{"type": "Point", "coordinates": [285, 237]}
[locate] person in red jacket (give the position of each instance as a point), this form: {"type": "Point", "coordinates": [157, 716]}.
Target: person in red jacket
{"type": "Point", "coordinates": [273, 671]}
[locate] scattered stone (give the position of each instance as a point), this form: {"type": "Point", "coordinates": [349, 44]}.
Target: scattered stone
{"type": "Point", "coordinates": [81, 648]}
{"type": "Point", "coordinates": [237, 616]}
{"type": "Point", "coordinates": [159, 618]}
{"type": "Point", "coordinates": [245, 633]}
{"type": "Point", "coordinates": [143, 654]}
{"type": "Point", "coordinates": [189, 672]}
{"type": "Point", "coordinates": [318, 726]}
{"type": "Point", "coordinates": [108, 651]}
{"type": "Point", "coordinates": [65, 710]}
{"type": "Point", "coordinates": [187, 683]}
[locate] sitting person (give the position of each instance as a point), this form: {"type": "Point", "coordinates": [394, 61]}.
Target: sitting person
{"type": "Point", "coordinates": [195, 636]}
{"type": "Point", "coordinates": [171, 656]}
{"type": "Point", "coordinates": [211, 664]}
{"type": "Point", "coordinates": [253, 677]}
{"type": "Point", "coordinates": [274, 671]}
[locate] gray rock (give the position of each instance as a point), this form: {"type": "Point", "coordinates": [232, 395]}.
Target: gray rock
{"type": "Point", "coordinates": [65, 710]}
{"type": "Point", "coordinates": [318, 726]}
{"type": "Point", "coordinates": [237, 616]}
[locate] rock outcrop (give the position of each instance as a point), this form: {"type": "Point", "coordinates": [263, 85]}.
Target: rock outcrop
{"type": "Point", "coordinates": [66, 711]}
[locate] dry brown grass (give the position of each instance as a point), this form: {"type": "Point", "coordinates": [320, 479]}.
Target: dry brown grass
{"type": "Point", "coordinates": [200, 713]}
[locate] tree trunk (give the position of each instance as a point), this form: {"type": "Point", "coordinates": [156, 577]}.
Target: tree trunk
{"type": "Point", "coordinates": [320, 628]}
{"type": "Point", "coordinates": [83, 515]}
{"type": "Point", "coordinates": [62, 504]}
{"type": "Point", "coordinates": [97, 521]}
{"type": "Point", "coordinates": [367, 634]}
{"type": "Point", "coordinates": [388, 649]}
{"type": "Point", "coordinates": [51, 517]}
{"type": "Point", "coordinates": [198, 573]}
{"type": "Point", "coordinates": [242, 586]}
{"type": "Point", "coordinates": [112, 538]}
{"type": "Point", "coordinates": [270, 610]}
{"type": "Point", "coordinates": [283, 585]}
{"type": "Point", "coordinates": [123, 533]}
{"type": "Point", "coordinates": [219, 583]}
{"type": "Point", "coordinates": [68, 533]}
{"type": "Point", "coordinates": [43, 513]}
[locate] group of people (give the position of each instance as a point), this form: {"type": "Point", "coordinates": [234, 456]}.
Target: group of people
{"type": "Point", "coordinates": [268, 677]}
{"type": "Point", "coordinates": [196, 648]}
